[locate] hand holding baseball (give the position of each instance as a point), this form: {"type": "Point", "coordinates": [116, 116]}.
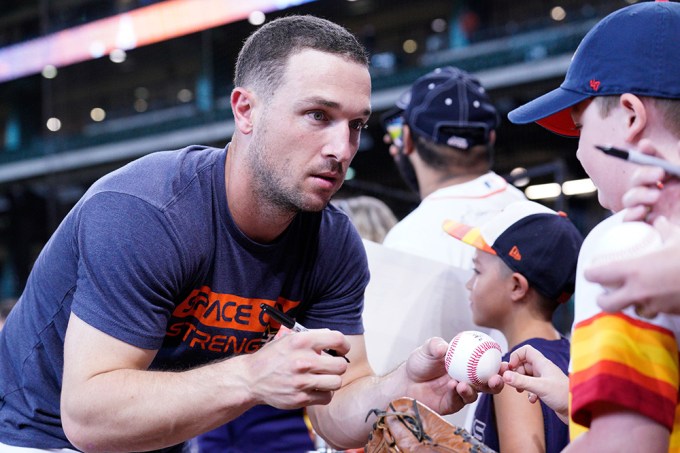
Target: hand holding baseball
{"type": "Point", "coordinates": [530, 370]}
{"type": "Point", "coordinates": [473, 357]}
{"type": "Point", "coordinates": [648, 280]}
{"type": "Point", "coordinates": [427, 381]}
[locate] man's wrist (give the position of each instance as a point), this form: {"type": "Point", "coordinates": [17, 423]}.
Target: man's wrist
{"type": "Point", "coordinates": [234, 377]}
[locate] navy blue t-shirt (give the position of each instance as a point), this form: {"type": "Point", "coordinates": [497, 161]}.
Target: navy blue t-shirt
{"type": "Point", "coordinates": [260, 429]}
{"type": "Point", "coordinates": [151, 256]}
{"type": "Point", "coordinates": [556, 432]}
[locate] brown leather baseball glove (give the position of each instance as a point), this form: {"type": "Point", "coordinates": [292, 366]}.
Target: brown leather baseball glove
{"type": "Point", "coordinates": [409, 426]}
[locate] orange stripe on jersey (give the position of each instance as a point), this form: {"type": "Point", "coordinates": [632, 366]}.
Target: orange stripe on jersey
{"type": "Point", "coordinates": [618, 338]}
{"type": "Point", "coordinates": [619, 370]}
{"type": "Point", "coordinates": [619, 361]}
{"type": "Point", "coordinates": [503, 187]}
{"type": "Point", "coordinates": [229, 311]}
{"type": "Point", "coordinates": [632, 321]}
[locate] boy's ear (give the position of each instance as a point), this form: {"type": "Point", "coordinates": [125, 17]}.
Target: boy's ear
{"type": "Point", "coordinates": [520, 286]}
{"type": "Point", "coordinates": [636, 116]}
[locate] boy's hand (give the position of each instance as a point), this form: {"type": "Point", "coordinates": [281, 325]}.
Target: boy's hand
{"type": "Point", "coordinates": [530, 370]}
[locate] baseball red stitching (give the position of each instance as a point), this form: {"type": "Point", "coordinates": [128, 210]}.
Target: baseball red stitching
{"type": "Point", "coordinates": [452, 349]}
{"type": "Point", "coordinates": [476, 355]}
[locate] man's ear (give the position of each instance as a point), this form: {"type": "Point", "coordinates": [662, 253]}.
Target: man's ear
{"type": "Point", "coordinates": [492, 137]}
{"type": "Point", "coordinates": [242, 104]}
{"type": "Point", "coordinates": [636, 116]}
{"type": "Point", "coordinates": [520, 286]}
{"type": "Point", "coordinates": [407, 139]}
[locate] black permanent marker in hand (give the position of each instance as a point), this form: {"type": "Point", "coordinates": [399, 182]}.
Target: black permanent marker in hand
{"type": "Point", "coordinates": [293, 325]}
{"type": "Point", "coordinates": [637, 157]}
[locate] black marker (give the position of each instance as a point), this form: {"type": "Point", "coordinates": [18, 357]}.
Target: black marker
{"type": "Point", "coordinates": [640, 158]}
{"type": "Point", "coordinates": [293, 325]}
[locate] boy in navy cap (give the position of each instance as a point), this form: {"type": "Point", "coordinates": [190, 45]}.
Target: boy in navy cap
{"type": "Point", "coordinates": [524, 267]}
{"type": "Point", "coordinates": [622, 89]}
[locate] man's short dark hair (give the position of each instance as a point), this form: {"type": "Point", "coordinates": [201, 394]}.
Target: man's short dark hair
{"type": "Point", "coordinates": [262, 60]}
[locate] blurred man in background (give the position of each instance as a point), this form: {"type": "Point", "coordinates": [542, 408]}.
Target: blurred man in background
{"type": "Point", "coordinates": [441, 134]}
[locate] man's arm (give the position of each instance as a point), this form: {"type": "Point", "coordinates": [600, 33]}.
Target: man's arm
{"type": "Point", "coordinates": [111, 402]}
{"type": "Point", "coordinates": [423, 377]}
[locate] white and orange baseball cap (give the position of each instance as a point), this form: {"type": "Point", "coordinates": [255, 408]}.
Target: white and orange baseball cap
{"type": "Point", "coordinates": [531, 239]}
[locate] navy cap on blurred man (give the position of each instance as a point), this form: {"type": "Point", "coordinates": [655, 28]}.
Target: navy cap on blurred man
{"type": "Point", "coordinates": [447, 118]}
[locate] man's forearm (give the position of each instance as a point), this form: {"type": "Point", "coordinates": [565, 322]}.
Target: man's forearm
{"type": "Point", "coordinates": [343, 421]}
{"type": "Point", "coordinates": [126, 410]}
{"type": "Point", "coordinates": [111, 401]}
{"type": "Point", "coordinates": [422, 377]}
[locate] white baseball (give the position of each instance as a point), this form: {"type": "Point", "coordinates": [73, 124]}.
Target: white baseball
{"type": "Point", "coordinates": [626, 240]}
{"type": "Point", "coordinates": [473, 357]}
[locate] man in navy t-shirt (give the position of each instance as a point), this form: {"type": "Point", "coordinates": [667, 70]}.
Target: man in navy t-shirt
{"type": "Point", "coordinates": [141, 324]}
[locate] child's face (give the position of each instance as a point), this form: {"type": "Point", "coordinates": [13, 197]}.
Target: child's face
{"type": "Point", "coordinates": [488, 290]}
{"type": "Point", "coordinates": [609, 175]}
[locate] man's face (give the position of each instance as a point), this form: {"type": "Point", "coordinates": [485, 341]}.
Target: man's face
{"type": "Point", "coordinates": [306, 134]}
{"type": "Point", "coordinates": [609, 175]}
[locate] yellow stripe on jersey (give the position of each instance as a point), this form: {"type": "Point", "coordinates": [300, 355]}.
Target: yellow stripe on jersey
{"type": "Point", "coordinates": [624, 337]}
{"type": "Point", "coordinates": [624, 362]}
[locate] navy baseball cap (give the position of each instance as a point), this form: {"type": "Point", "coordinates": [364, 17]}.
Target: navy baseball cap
{"type": "Point", "coordinates": [531, 239]}
{"type": "Point", "coordinates": [448, 106]}
{"type": "Point", "coordinates": [633, 50]}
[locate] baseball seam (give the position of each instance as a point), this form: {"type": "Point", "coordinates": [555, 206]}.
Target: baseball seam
{"type": "Point", "coordinates": [450, 352]}
{"type": "Point", "coordinates": [632, 250]}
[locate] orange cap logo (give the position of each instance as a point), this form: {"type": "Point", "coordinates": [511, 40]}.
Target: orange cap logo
{"type": "Point", "coordinates": [514, 253]}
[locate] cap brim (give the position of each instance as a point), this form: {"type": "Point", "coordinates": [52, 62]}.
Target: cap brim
{"type": "Point", "coordinates": [552, 111]}
{"type": "Point", "coordinates": [467, 234]}
{"type": "Point", "coordinates": [398, 109]}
